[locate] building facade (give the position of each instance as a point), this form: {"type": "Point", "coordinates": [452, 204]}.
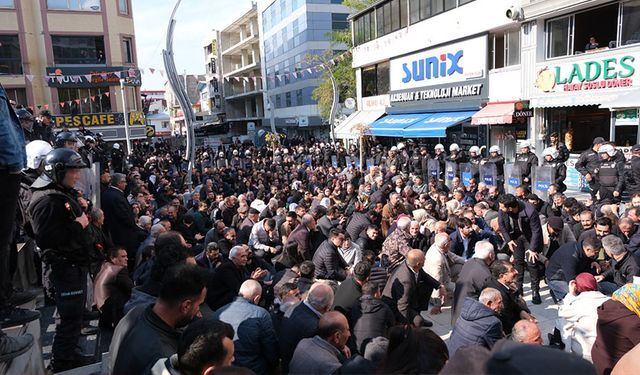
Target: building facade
{"type": "Point", "coordinates": [241, 70]}
{"type": "Point", "coordinates": [491, 72]}
{"type": "Point", "coordinates": [292, 31]}
{"type": "Point", "coordinates": [69, 57]}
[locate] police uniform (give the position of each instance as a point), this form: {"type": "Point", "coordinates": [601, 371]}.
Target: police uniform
{"type": "Point", "coordinates": [475, 162]}
{"type": "Point", "coordinates": [526, 162]}
{"type": "Point", "coordinates": [631, 170]}
{"type": "Point", "coordinates": [560, 173]}
{"type": "Point", "coordinates": [588, 164]}
{"type": "Point", "coordinates": [65, 246]}
{"type": "Point", "coordinates": [563, 153]}
{"type": "Point", "coordinates": [415, 163]}
{"type": "Point", "coordinates": [610, 179]}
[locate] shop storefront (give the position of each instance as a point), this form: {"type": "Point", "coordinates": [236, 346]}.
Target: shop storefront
{"type": "Point", "coordinates": [590, 95]}
{"type": "Point", "coordinates": [111, 125]}
{"type": "Point", "coordinates": [435, 92]}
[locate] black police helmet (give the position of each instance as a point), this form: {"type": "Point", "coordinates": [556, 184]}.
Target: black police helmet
{"type": "Point", "coordinates": [56, 163]}
{"type": "Point", "coordinates": [63, 137]}
{"type": "Point", "coordinates": [23, 114]}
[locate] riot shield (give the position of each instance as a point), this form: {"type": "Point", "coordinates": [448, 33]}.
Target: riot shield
{"type": "Point", "coordinates": [466, 173]}
{"type": "Point", "coordinates": [433, 169]}
{"type": "Point", "coordinates": [489, 174]}
{"type": "Point", "coordinates": [544, 177]}
{"type": "Point", "coordinates": [513, 177]}
{"type": "Point", "coordinates": [451, 170]}
{"type": "Point", "coordinates": [89, 183]}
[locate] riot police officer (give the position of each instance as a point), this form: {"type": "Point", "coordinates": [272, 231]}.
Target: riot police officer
{"type": "Point", "coordinates": [59, 226]}
{"type": "Point", "coordinates": [117, 158]}
{"type": "Point", "coordinates": [587, 165]}
{"type": "Point", "coordinates": [475, 158]}
{"type": "Point", "coordinates": [563, 151]}
{"type": "Point", "coordinates": [66, 140]}
{"type": "Point", "coordinates": [496, 158]}
{"type": "Point", "coordinates": [526, 161]}
{"type": "Point", "coordinates": [415, 163]}
{"type": "Point", "coordinates": [440, 157]}
{"type": "Point", "coordinates": [378, 155]}
{"type": "Point", "coordinates": [609, 175]}
{"type": "Point", "coordinates": [632, 171]}
{"type": "Point", "coordinates": [550, 155]}
{"type": "Point", "coordinates": [456, 155]}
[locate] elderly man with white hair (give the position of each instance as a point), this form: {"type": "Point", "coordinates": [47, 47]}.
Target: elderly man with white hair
{"type": "Point", "coordinates": [396, 246]}
{"type": "Point", "coordinates": [256, 345]}
{"type": "Point", "coordinates": [444, 266]}
{"type": "Point", "coordinates": [473, 277]}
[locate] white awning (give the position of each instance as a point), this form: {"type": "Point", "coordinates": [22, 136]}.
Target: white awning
{"type": "Point", "coordinates": [346, 128]}
{"type": "Point", "coordinates": [573, 99]}
{"type": "Point", "coordinates": [629, 100]}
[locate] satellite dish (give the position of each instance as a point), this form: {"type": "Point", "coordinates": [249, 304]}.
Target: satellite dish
{"type": "Point", "coordinates": [91, 5]}
{"type": "Point", "coordinates": [350, 103]}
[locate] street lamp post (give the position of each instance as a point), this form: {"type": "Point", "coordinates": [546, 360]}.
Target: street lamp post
{"type": "Point", "coordinates": [126, 117]}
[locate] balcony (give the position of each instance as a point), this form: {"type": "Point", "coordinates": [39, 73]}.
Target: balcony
{"type": "Point", "coordinates": [241, 44]}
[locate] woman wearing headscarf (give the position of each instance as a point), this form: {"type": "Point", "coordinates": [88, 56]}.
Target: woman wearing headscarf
{"type": "Point", "coordinates": [618, 328]}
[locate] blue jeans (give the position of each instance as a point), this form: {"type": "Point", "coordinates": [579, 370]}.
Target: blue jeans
{"type": "Point", "coordinates": [607, 287]}
{"type": "Point", "coordinates": [559, 288]}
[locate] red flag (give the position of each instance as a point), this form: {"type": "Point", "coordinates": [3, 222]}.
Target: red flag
{"type": "Point", "coordinates": [107, 94]}
{"type": "Point", "coordinates": [93, 98]}
{"type": "Point", "coordinates": [77, 101]}
{"type": "Point", "coordinates": [46, 106]}
{"type": "Point", "coordinates": [61, 104]}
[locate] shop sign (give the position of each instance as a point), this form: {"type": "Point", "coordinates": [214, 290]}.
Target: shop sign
{"type": "Point", "coordinates": [375, 102]}
{"type": "Point", "coordinates": [456, 62]}
{"type": "Point", "coordinates": [458, 91]}
{"type": "Point", "coordinates": [521, 110]}
{"type": "Point", "coordinates": [609, 72]}
{"type": "Point", "coordinates": [92, 76]}
{"type": "Point", "coordinates": [628, 117]}
{"type": "Point", "coordinates": [97, 119]}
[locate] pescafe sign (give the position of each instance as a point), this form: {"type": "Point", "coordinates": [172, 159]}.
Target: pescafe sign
{"type": "Point", "coordinates": [452, 63]}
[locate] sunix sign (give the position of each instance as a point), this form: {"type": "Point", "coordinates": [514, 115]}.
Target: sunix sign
{"type": "Point", "coordinates": [433, 67]}
{"type": "Point", "coordinates": [456, 62]}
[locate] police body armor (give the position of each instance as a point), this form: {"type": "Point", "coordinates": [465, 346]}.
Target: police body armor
{"type": "Point", "coordinates": [416, 164]}
{"type": "Point", "coordinates": [525, 161]}
{"type": "Point", "coordinates": [608, 174]}
{"type": "Point", "coordinates": [475, 166]}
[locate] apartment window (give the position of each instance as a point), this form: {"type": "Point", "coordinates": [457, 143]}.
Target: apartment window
{"type": "Point", "coordinates": [504, 49]}
{"type": "Point", "coordinates": [84, 100]}
{"type": "Point", "coordinates": [339, 21]}
{"type": "Point", "coordinates": [277, 103]}
{"type": "Point", "coordinates": [299, 97]}
{"type": "Point", "coordinates": [630, 23]}
{"type": "Point", "coordinates": [123, 6]}
{"type": "Point", "coordinates": [17, 95]}
{"type": "Point", "coordinates": [81, 5]}
{"type": "Point", "coordinates": [559, 37]}
{"type": "Point", "coordinates": [10, 59]}
{"type": "Point", "coordinates": [78, 49]}
{"type": "Point", "coordinates": [7, 4]}
{"type": "Point", "coordinates": [127, 46]}
{"type": "Point", "coordinates": [336, 1]}
{"type": "Point", "coordinates": [375, 80]}
{"type": "Point", "coordinates": [287, 99]}
{"type": "Point", "coordinates": [423, 9]}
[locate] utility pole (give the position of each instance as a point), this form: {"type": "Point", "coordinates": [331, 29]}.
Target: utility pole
{"type": "Point", "coordinates": [126, 117]}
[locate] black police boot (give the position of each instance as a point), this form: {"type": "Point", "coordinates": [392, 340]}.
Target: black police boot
{"type": "Point", "coordinates": [536, 300]}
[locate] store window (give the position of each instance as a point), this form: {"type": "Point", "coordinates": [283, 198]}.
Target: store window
{"type": "Point", "coordinates": [123, 7]}
{"type": "Point", "coordinates": [626, 127]}
{"type": "Point", "coordinates": [18, 95]}
{"type": "Point", "coordinates": [9, 4]}
{"type": "Point", "coordinates": [10, 58]}
{"type": "Point", "coordinates": [84, 100]}
{"type": "Point", "coordinates": [78, 5]}
{"type": "Point", "coordinates": [127, 50]}
{"type": "Point", "coordinates": [578, 126]}
{"type": "Point", "coordinates": [375, 80]}
{"type": "Point", "coordinates": [504, 49]}
{"type": "Point", "coordinates": [78, 49]}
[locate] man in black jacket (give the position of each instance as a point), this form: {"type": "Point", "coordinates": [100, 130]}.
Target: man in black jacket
{"type": "Point", "coordinates": [370, 317]}
{"type": "Point", "coordinates": [409, 290]}
{"type": "Point", "coordinates": [119, 219]}
{"type": "Point", "coordinates": [148, 333]}
{"type": "Point", "coordinates": [329, 264]}
{"type": "Point", "coordinates": [473, 277]}
{"type": "Point", "coordinates": [503, 280]}
{"type": "Point", "coordinates": [624, 266]}
{"type": "Point", "coordinates": [350, 291]}
{"type": "Point", "coordinates": [520, 227]}
{"type": "Point", "coordinates": [570, 260]}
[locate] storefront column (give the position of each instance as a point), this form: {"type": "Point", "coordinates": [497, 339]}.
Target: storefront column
{"type": "Point", "coordinates": [538, 128]}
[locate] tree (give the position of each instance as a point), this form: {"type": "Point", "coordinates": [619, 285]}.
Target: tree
{"type": "Point", "coordinates": [342, 71]}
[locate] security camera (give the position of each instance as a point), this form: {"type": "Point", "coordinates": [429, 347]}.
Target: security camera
{"type": "Point", "coordinates": [514, 13]}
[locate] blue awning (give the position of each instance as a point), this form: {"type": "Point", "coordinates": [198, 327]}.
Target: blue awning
{"type": "Point", "coordinates": [434, 125]}
{"type": "Point", "coordinates": [419, 125]}
{"type": "Point", "coordinates": [394, 125]}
